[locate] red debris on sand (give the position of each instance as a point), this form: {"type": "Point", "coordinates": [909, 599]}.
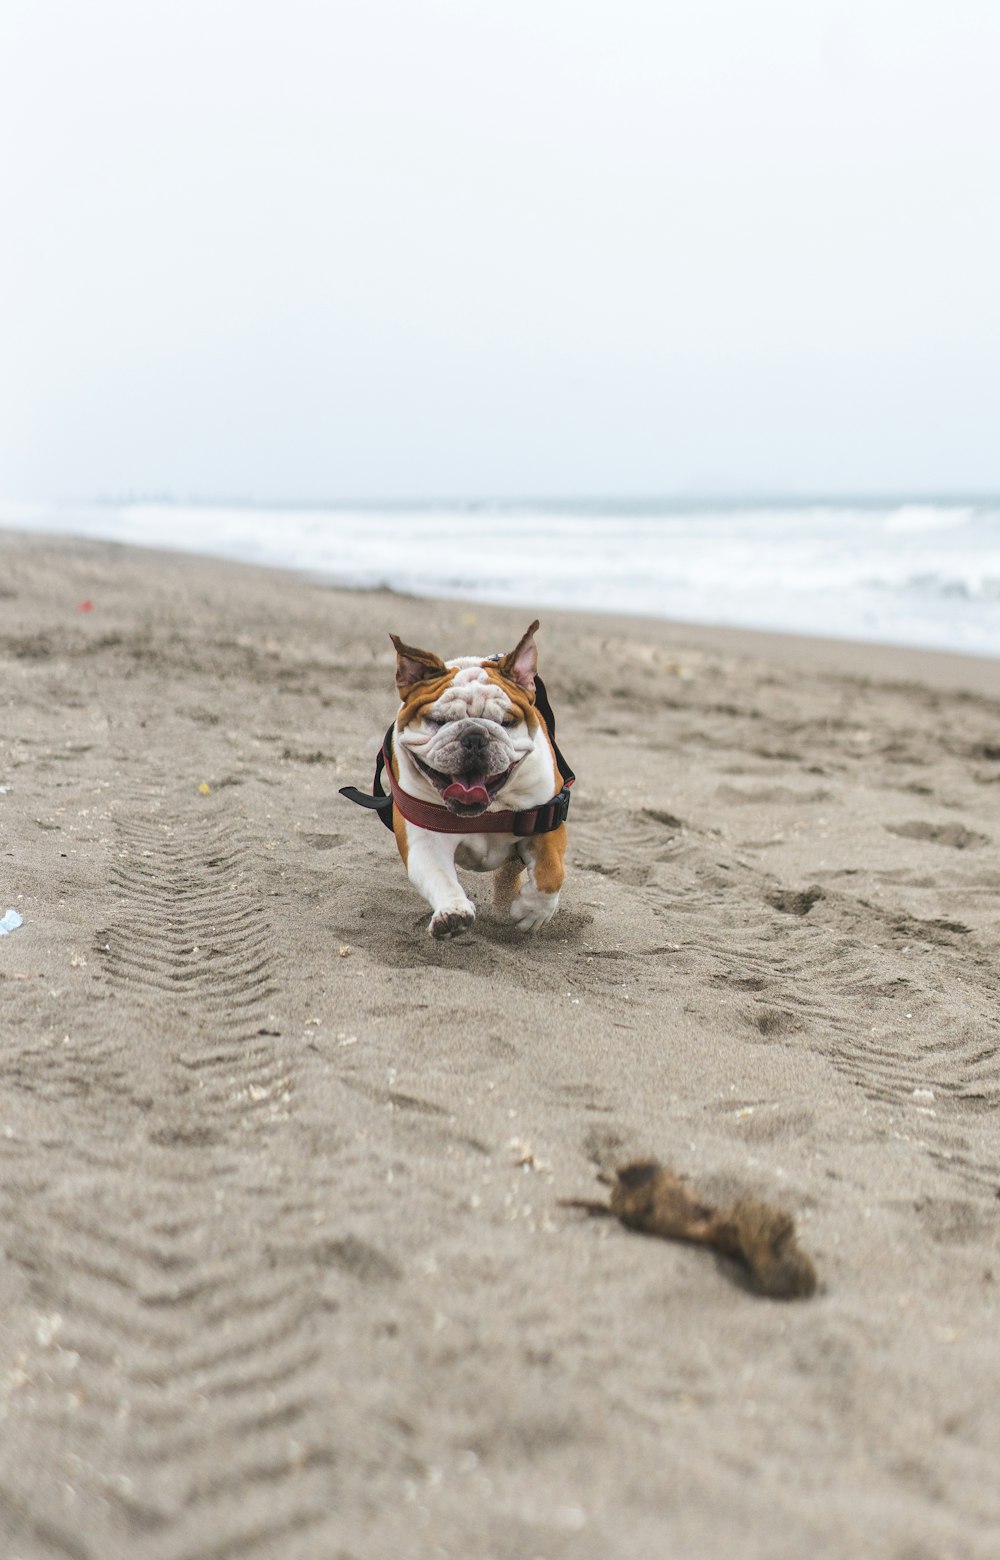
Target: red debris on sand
{"type": "Point", "coordinates": [86, 606]}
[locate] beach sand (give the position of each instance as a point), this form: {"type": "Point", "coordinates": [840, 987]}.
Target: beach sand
{"type": "Point", "coordinates": [287, 1272]}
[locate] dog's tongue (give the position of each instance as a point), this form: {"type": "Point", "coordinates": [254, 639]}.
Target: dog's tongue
{"type": "Point", "coordinates": [474, 795]}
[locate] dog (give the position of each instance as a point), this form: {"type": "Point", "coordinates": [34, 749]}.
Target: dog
{"type": "Point", "coordinates": [475, 781]}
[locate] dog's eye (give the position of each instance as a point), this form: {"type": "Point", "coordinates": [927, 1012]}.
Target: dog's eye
{"type": "Point", "coordinates": [434, 720]}
{"type": "Point", "coordinates": [510, 720]}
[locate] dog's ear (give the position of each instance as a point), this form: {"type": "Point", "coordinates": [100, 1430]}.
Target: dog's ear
{"type": "Point", "coordinates": [521, 664]}
{"type": "Point", "coordinates": [413, 666]}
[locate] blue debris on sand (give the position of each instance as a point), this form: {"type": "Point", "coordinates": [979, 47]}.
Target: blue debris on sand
{"type": "Point", "coordinates": [10, 922]}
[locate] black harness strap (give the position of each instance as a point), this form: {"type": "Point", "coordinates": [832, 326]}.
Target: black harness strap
{"type": "Point", "coordinates": [544, 708]}
{"type": "Point", "coordinates": [379, 801]}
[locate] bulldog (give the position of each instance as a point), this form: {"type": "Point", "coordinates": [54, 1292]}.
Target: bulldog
{"type": "Point", "coordinates": [475, 781]}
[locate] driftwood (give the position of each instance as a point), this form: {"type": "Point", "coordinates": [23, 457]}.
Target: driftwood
{"type": "Point", "coordinates": [648, 1197]}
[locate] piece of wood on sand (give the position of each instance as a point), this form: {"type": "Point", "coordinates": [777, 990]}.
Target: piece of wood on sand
{"type": "Point", "coordinates": [648, 1197]}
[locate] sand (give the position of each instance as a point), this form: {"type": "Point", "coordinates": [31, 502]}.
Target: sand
{"type": "Point", "coordinates": [287, 1271]}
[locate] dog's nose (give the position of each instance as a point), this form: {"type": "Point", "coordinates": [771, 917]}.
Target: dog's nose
{"type": "Point", "coordinates": [474, 745]}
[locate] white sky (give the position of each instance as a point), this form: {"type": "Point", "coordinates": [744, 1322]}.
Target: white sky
{"type": "Point", "coordinates": [308, 249]}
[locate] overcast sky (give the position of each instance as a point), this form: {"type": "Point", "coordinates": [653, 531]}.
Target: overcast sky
{"type": "Point", "coordinates": [304, 249]}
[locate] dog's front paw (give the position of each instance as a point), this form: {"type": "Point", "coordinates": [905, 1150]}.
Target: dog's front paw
{"type": "Point", "coordinates": [531, 909]}
{"type": "Point", "coordinates": [449, 923]}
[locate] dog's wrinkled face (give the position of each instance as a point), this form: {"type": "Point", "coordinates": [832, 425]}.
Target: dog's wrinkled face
{"type": "Point", "coordinates": [467, 724]}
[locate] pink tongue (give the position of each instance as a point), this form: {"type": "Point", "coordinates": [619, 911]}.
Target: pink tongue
{"type": "Point", "coordinates": [468, 795]}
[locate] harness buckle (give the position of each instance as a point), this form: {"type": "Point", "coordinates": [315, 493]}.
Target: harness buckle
{"type": "Point", "coordinates": [546, 818]}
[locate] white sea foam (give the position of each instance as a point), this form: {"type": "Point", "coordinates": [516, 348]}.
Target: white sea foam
{"type": "Point", "coordinates": [925, 517]}
{"type": "Point", "coordinates": [909, 573]}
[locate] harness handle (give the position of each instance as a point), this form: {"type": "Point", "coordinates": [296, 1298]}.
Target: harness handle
{"type": "Point", "coordinates": [379, 801]}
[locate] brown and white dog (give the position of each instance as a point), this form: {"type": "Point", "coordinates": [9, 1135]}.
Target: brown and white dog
{"type": "Point", "coordinates": [477, 782]}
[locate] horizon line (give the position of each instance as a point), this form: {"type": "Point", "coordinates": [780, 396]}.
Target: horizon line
{"type": "Point", "coordinates": [727, 497]}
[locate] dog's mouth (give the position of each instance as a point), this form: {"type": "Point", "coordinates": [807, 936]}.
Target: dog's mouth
{"type": "Point", "coordinates": [467, 795]}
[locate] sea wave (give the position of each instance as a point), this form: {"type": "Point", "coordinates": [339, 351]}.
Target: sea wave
{"type": "Point", "coordinates": [909, 573]}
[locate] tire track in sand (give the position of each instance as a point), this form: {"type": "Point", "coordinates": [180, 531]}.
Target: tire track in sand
{"type": "Point", "coordinates": [191, 928]}
{"type": "Point", "coordinates": [173, 1362]}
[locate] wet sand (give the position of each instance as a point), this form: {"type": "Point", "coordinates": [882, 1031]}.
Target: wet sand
{"type": "Point", "coordinates": [286, 1267]}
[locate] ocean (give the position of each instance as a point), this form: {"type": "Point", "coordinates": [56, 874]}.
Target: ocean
{"type": "Point", "coordinates": [910, 572]}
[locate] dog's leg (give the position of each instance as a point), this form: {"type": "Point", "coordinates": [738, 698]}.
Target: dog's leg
{"type": "Point", "coordinates": [538, 900]}
{"type": "Point", "coordinates": [505, 881]}
{"type": "Point", "coordinates": [430, 863]}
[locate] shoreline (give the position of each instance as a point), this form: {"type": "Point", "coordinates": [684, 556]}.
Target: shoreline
{"type": "Point", "coordinates": [288, 1266]}
{"type": "Point", "coordinates": [881, 659]}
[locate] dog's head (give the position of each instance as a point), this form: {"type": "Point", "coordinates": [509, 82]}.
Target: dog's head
{"type": "Point", "coordinates": [467, 724]}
